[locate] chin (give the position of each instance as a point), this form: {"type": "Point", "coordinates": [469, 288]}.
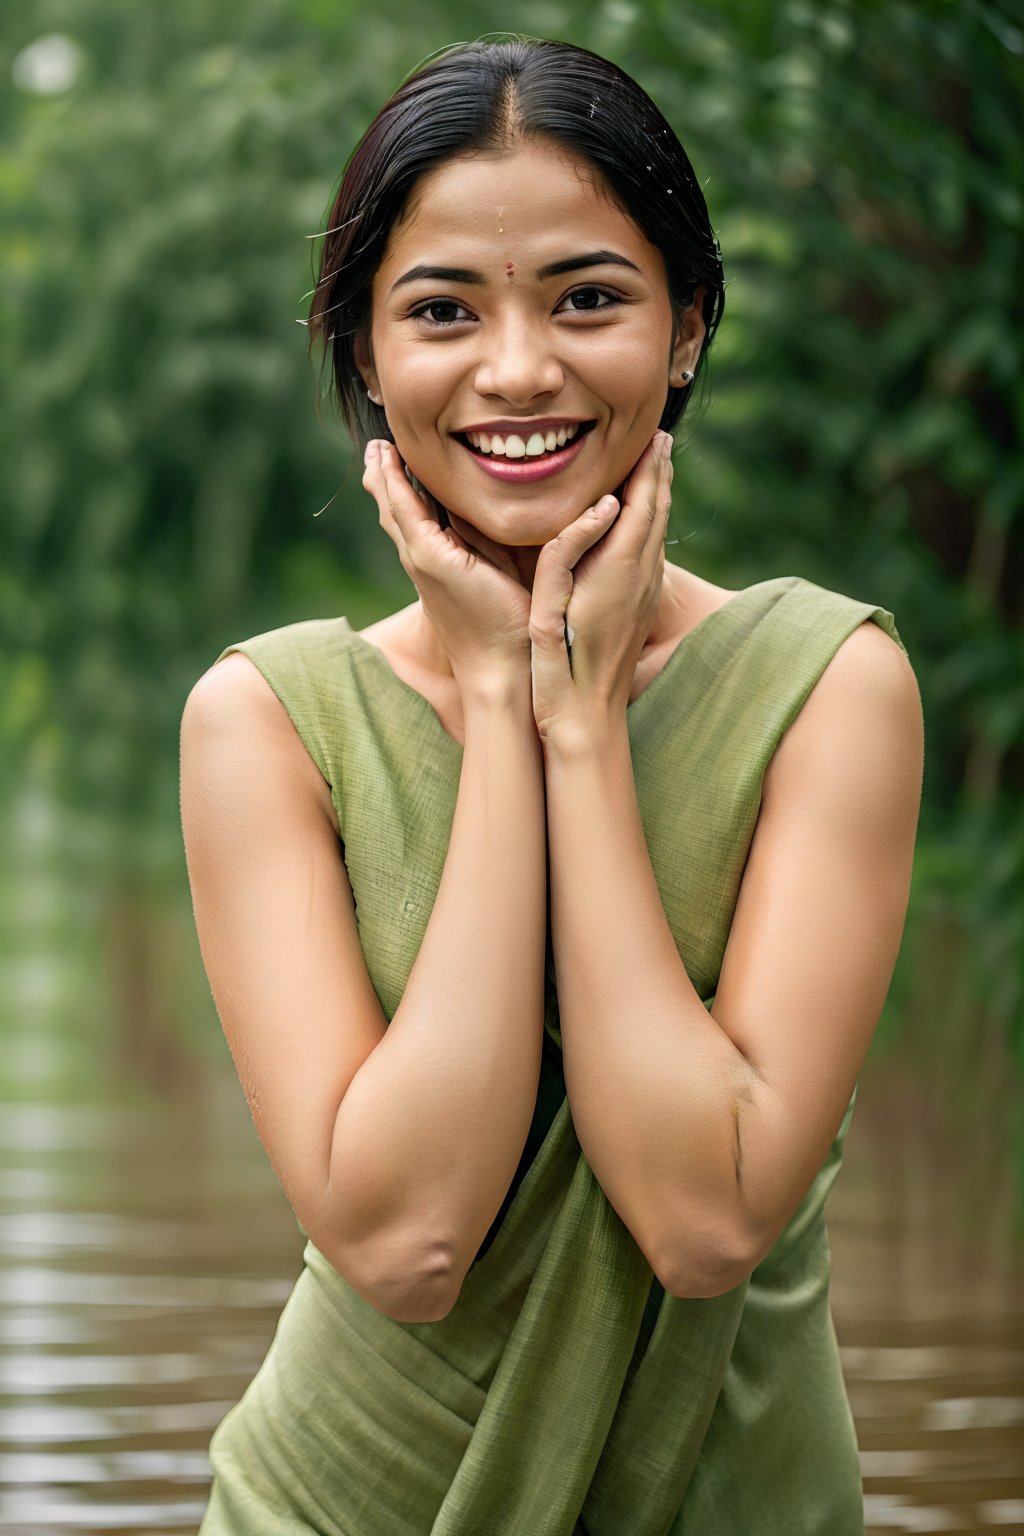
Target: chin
{"type": "Point", "coordinates": [521, 527]}
{"type": "Point", "coordinates": [518, 521]}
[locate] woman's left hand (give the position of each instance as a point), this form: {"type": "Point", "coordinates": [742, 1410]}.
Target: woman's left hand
{"type": "Point", "coordinates": [605, 587]}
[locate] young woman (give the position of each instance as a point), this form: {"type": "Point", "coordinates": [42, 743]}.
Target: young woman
{"type": "Point", "coordinates": [548, 919]}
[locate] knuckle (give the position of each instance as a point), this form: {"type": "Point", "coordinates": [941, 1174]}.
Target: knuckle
{"type": "Point", "coordinates": [544, 632]}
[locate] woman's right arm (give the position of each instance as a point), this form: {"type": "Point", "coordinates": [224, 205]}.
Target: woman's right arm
{"type": "Point", "coordinates": [395, 1144]}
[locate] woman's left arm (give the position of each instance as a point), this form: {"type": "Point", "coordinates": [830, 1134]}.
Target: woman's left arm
{"type": "Point", "coordinates": [705, 1130]}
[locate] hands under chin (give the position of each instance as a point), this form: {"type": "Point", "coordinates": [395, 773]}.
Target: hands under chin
{"type": "Point", "coordinates": [476, 606]}
{"type": "Point", "coordinates": [598, 584]}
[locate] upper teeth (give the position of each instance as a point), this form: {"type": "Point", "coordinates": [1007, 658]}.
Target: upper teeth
{"type": "Point", "coordinates": [514, 447]}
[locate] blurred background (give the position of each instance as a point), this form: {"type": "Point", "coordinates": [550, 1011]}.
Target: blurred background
{"type": "Point", "coordinates": [162, 169]}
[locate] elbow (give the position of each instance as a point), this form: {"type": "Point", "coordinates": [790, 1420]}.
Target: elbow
{"type": "Point", "coordinates": [429, 1302]}
{"type": "Point", "coordinates": [699, 1265]}
{"type": "Point", "coordinates": [408, 1279]}
{"type": "Point", "coordinates": [701, 1281]}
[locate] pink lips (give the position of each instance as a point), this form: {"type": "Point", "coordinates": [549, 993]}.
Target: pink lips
{"type": "Point", "coordinates": [519, 471]}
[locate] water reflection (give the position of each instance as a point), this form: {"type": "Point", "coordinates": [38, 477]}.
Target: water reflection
{"type": "Point", "coordinates": [146, 1251]}
{"type": "Point", "coordinates": [142, 1270]}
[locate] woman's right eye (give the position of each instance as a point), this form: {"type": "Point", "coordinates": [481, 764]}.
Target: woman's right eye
{"type": "Point", "coordinates": [439, 312]}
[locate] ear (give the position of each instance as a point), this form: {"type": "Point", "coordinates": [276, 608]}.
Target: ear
{"type": "Point", "coordinates": [362, 354]}
{"type": "Point", "coordinates": [688, 340]}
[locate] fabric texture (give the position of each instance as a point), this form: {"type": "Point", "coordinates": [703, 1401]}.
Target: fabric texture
{"type": "Point", "coordinates": [565, 1391]}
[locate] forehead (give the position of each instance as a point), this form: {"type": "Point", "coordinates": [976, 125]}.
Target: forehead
{"type": "Point", "coordinates": [537, 197]}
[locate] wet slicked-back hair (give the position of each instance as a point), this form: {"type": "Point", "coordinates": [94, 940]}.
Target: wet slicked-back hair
{"type": "Point", "coordinates": [492, 97]}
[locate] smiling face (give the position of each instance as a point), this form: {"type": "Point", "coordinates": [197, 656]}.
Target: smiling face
{"type": "Point", "coordinates": [522, 340]}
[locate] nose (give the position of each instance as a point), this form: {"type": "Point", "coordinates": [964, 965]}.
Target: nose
{"type": "Point", "coordinates": [518, 361]}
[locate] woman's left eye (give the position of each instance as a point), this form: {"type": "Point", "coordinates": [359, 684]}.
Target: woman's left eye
{"type": "Point", "coordinates": [584, 299]}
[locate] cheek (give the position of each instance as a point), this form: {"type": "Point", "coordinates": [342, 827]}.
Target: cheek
{"type": "Point", "coordinates": [425, 449]}
{"type": "Point", "coordinates": [417, 381]}
{"type": "Point", "coordinates": [634, 368]}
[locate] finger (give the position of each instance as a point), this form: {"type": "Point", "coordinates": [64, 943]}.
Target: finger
{"type": "Point", "coordinates": [399, 502]}
{"type": "Point", "coordinates": [647, 500]}
{"type": "Point", "coordinates": [666, 495]}
{"type": "Point", "coordinates": [374, 483]}
{"type": "Point", "coordinates": [553, 576]}
{"type": "Point", "coordinates": [387, 481]}
{"type": "Point", "coordinates": [565, 550]}
{"type": "Point", "coordinates": [407, 515]}
{"type": "Point", "coordinates": [643, 491]}
{"type": "Point", "coordinates": [629, 536]}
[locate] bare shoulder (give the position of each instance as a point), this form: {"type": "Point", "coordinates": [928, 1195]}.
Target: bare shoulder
{"type": "Point", "coordinates": [234, 718]}
{"type": "Point", "coordinates": [869, 675]}
{"type": "Point", "coordinates": [864, 709]}
{"type": "Point", "coordinates": [233, 683]}
{"type": "Point", "coordinates": [872, 655]}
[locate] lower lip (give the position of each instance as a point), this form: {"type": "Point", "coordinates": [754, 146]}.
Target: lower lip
{"type": "Point", "coordinates": [520, 471]}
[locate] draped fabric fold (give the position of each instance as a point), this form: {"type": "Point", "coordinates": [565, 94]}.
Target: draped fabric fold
{"type": "Point", "coordinates": [564, 1386]}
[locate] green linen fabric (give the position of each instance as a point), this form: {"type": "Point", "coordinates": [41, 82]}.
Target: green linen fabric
{"type": "Point", "coordinates": [539, 1406]}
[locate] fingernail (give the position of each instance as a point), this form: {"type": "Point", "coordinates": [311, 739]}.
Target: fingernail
{"type": "Point", "coordinates": [666, 444]}
{"type": "Point", "coordinates": [606, 503]}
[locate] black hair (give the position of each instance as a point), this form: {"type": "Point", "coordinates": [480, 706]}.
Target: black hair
{"type": "Point", "coordinates": [496, 95]}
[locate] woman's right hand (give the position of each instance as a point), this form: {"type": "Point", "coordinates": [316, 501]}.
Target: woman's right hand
{"type": "Point", "coordinates": [469, 586]}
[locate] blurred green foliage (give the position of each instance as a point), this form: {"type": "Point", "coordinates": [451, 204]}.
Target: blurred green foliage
{"type": "Point", "coordinates": [162, 171]}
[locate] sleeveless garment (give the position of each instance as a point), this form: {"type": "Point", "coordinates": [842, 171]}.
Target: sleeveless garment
{"type": "Point", "coordinates": [565, 1392]}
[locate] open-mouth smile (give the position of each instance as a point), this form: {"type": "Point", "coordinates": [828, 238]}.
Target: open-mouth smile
{"type": "Point", "coordinates": [526, 456]}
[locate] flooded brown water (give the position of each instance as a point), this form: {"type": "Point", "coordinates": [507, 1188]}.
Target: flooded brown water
{"type": "Point", "coordinates": [146, 1252]}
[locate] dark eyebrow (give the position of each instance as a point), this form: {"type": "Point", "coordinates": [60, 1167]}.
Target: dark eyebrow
{"type": "Point", "coordinates": [556, 269]}
{"type": "Point", "coordinates": [440, 274]}
{"type": "Point", "coordinates": [591, 259]}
